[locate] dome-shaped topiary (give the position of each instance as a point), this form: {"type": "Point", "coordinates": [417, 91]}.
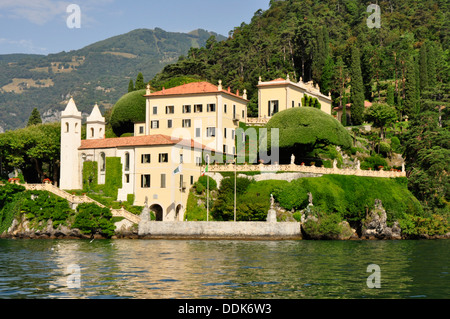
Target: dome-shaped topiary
{"type": "Point", "coordinates": [302, 129]}
{"type": "Point", "coordinates": [128, 110]}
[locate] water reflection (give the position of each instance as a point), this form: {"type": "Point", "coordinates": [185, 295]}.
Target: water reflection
{"type": "Point", "coordinates": [223, 269]}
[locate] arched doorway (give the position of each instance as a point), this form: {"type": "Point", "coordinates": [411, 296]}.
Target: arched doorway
{"type": "Point", "coordinates": [179, 213]}
{"type": "Point", "coordinates": [157, 209]}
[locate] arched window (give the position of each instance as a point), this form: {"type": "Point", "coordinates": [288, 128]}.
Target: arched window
{"type": "Point", "coordinates": [102, 162]}
{"type": "Point", "coordinates": [76, 127]}
{"type": "Point", "coordinates": [67, 127]}
{"type": "Point", "coordinates": [127, 162]}
{"type": "Point", "coordinates": [92, 132]}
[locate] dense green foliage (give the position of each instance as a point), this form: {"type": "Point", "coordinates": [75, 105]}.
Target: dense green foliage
{"type": "Point", "coordinates": [252, 199]}
{"type": "Point", "coordinates": [350, 196]}
{"type": "Point", "coordinates": [35, 150]}
{"type": "Point", "coordinates": [41, 206]}
{"type": "Point", "coordinates": [301, 130]}
{"type": "Point", "coordinates": [38, 207]}
{"type": "Point", "coordinates": [91, 219]}
{"type": "Point", "coordinates": [90, 176]}
{"type": "Point", "coordinates": [427, 154]}
{"type": "Point", "coordinates": [10, 204]}
{"type": "Point", "coordinates": [129, 109]}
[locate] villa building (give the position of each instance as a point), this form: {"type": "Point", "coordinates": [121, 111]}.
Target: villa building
{"type": "Point", "coordinates": [164, 157]}
{"type": "Point", "coordinates": [280, 94]}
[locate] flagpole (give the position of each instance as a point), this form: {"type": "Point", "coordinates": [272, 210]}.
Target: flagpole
{"type": "Point", "coordinates": [207, 189]}
{"type": "Point", "coordinates": [235, 170]}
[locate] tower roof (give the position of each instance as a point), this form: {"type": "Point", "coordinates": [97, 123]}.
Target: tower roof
{"type": "Point", "coordinates": [96, 115]}
{"type": "Point", "coordinates": [71, 110]}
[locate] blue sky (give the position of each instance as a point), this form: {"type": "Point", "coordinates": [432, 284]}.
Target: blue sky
{"type": "Point", "coordinates": [40, 26]}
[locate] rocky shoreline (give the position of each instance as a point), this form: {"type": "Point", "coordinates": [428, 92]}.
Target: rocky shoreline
{"type": "Point", "coordinates": [374, 227]}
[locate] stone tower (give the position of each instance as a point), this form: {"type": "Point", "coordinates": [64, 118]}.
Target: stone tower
{"type": "Point", "coordinates": [95, 125]}
{"type": "Point", "coordinates": [70, 171]}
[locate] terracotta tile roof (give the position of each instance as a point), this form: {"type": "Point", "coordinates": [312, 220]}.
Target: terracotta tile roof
{"type": "Point", "coordinates": [192, 88]}
{"type": "Point", "coordinates": [349, 106]}
{"type": "Point", "coordinates": [132, 141]}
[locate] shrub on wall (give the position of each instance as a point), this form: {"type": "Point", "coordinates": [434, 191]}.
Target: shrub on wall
{"type": "Point", "coordinates": [91, 219]}
{"type": "Point", "coordinates": [90, 176]}
{"type": "Point", "coordinates": [113, 180]}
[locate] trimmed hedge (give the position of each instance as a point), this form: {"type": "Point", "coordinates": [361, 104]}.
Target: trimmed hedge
{"type": "Point", "coordinates": [128, 110]}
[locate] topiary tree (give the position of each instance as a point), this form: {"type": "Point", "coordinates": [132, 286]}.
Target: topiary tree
{"type": "Point", "coordinates": [128, 110]}
{"type": "Point", "coordinates": [301, 130]}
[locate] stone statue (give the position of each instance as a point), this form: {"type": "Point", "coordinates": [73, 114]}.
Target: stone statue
{"type": "Point", "coordinates": [310, 199]}
{"type": "Point", "coordinates": [145, 214]}
{"type": "Point", "coordinates": [335, 164]}
{"type": "Point", "coordinates": [358, 164]}
{"type": "Point", "coordinates": [292, 159]}
{"type": "Point", "coordinates": [272, 201]}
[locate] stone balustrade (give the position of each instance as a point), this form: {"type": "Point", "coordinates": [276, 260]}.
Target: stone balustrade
{"type": "Point", "coordinates": [303, 169]}
{"type": "Point", "coordinates": [256, 121]}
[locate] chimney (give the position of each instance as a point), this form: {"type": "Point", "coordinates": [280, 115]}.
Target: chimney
{"type": "Point", "coordinates": [229, 89]}
{"type": "Point", "coordinates": [245, 94]}
{"type": "Point", "coordinates": [237, 92]}
{"type": "Point", "coordinates": [219, 88]}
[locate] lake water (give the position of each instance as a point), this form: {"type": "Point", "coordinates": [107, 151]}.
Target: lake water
{"type": "Point", "coordinates": [193, 269]}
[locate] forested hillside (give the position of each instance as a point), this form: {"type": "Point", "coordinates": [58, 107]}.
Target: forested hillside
{"type": "Point", "coordinates": [315, 39]}
{"type": "Point", "coordinates": [403, 68]}
{"type": "Point", "coordinates": [97, 73]}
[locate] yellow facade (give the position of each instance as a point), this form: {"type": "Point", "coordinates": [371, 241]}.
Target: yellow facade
{"type": "Point", "coordinates": [279, 95]}
{"type": "Point", "coordinates": [209, 118]}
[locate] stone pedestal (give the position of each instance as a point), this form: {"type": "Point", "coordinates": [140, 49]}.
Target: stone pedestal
{"type": "Point", "coordinates": [272, 216]}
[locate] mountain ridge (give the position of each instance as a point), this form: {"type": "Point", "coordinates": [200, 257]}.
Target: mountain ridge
{"type": "Point", "coordinates": [97, 73]}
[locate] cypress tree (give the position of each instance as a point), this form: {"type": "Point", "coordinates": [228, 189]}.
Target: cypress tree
{"type": "Point", "coordinates": [130, 86]}
{"type": "Point", "coordinates": [139, 82]}
{"type": "Point", "coordinates": [410, 102]}
{"type": "Point", "coordinates": [390, 95]}
{"type": "Point", "coordinates": [35, 118]}
{"type": "Point", "coordinates": [357, 88]}
{"type": "Point", "coordinates": [431, 64]}
{"type": "Point", "coordinates": [423, 67]}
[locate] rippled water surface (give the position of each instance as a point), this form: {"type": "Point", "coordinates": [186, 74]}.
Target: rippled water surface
{"type": "Point", "coordinates": [222, 269]}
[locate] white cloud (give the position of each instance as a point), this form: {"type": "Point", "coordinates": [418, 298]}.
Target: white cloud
{"type": "Point", "coordinates": [42, 11]}
{"type": "Point", "coordinates": [26, 44]}
{"type": "Point", "coordinates": [36, 12]}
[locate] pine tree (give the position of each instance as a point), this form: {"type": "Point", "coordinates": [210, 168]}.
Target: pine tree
{"type": "Point", "coordinates": [423, 67]}
{"type": "Point", "coordinates": [357, 88]}
{"type": "Point", "coordinates": [35, 118]}
{"type": "Point", "coordinates": [130, 86]}
{"type": "Point", "coordinates": [139, 82]}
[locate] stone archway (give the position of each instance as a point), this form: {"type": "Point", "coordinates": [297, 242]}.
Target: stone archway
{"type": "Point", "coordinates": [158, 210]}
{"type": "Point", "coordinates": [179, 213]}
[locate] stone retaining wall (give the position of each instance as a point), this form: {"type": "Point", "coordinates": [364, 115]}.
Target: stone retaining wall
{"type": "Point", "coordinates": [229, 230]}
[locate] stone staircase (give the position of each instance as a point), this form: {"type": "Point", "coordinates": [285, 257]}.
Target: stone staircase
{"type": "Point", "coordinates": [76, 200]}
